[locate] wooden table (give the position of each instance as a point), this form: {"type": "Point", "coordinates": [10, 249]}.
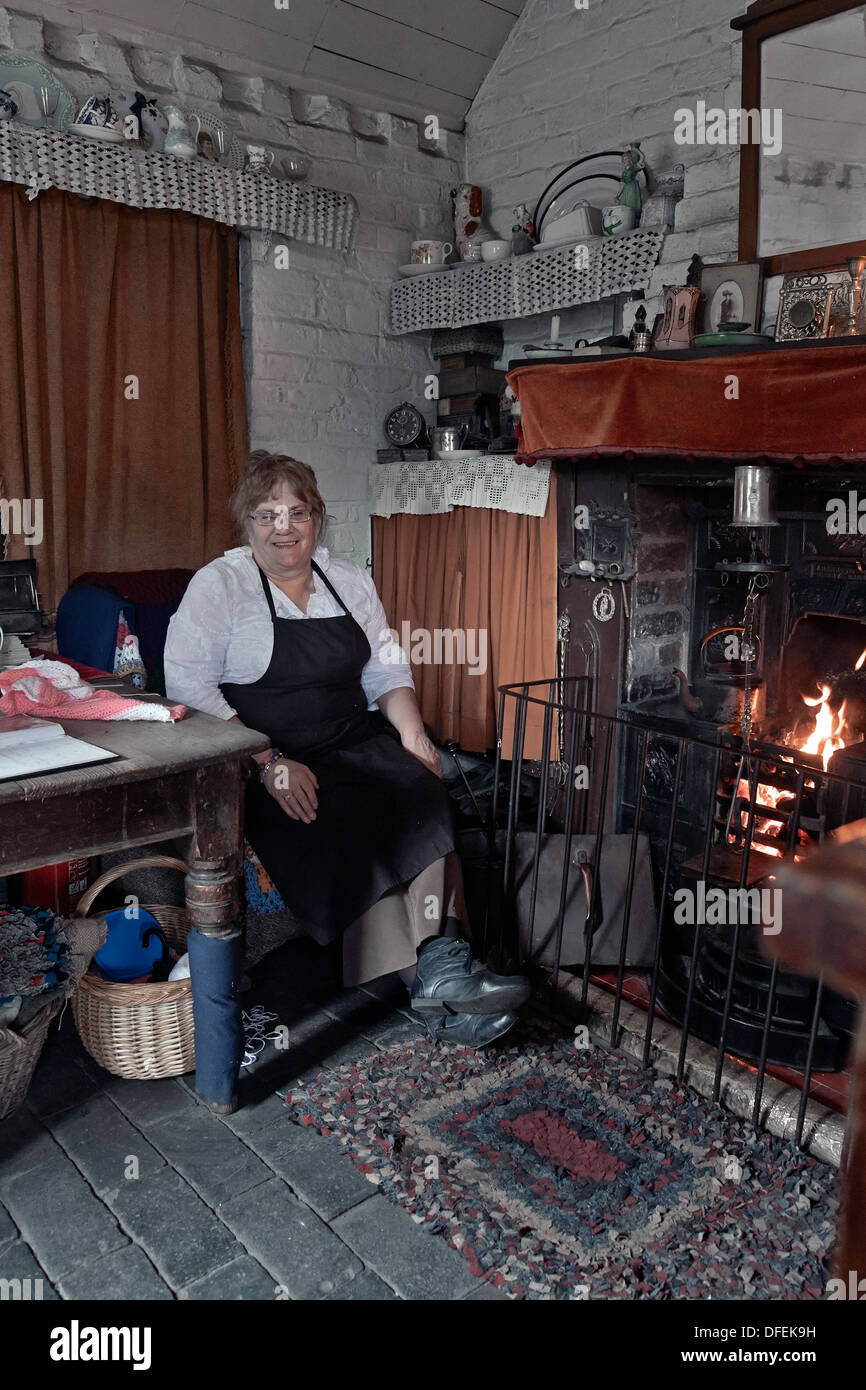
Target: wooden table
{"type": "Point", "coordinates": [171, 780]}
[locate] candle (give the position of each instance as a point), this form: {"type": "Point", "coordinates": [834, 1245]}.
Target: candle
{"type": "Point", "coordinates": [554, 329]}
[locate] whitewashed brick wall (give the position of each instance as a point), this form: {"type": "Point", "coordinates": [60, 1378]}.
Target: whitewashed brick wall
{"type": "Point", "coordinates": [322, 372]}
{"type": "Point", "coordinates": [571, 81]}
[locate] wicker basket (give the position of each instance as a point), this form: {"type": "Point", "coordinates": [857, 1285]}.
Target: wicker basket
{"type": "Point", "coordinates": [145, 1031]}
{"type": "Point", "coordinates": [19, 1053]}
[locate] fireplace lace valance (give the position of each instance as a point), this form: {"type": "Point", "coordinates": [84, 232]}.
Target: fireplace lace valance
{"type": "Point", "coordinates": [486, 480]}
{"type": "Point", "coordinates": [121, 174]}
{"type": "Point", "coordinates": [793, 405]}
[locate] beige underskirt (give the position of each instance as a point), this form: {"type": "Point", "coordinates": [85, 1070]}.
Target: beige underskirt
{"type": "Point", "coordinates": [387, 936]}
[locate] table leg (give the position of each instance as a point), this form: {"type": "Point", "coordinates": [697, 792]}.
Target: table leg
{"type": "Point", "coordinates": [214, 944]}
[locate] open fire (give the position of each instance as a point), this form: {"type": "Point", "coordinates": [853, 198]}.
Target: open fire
{"type": "Point", "coordinates": [830, 731]}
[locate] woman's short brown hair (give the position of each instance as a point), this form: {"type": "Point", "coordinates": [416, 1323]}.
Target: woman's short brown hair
{"type": "Point", "coordinates": [266, 473]}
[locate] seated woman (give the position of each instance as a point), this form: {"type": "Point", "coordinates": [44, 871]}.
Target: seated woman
{"type": "Point", "coordinates": [351, 821]}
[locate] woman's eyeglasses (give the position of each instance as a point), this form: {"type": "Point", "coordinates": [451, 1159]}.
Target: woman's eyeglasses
{"type": "Point", "coordinates": [297, 516]}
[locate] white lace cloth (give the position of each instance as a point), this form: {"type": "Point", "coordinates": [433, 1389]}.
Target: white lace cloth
{"type": "Point", "coordinates": [486, 480]}
{"type": "Point", "coordinates": [125, 174]}
{"type": "Point", "coordinates": [536, 284]}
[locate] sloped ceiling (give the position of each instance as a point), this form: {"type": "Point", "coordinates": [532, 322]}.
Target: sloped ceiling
{"type": "Point", "coordinates": [411, 57]}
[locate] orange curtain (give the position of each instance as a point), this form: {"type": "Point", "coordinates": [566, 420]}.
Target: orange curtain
{"type": "Point", "coordinates": [490, 576]}
{"type": "Point", "coordinates": [121, 383]}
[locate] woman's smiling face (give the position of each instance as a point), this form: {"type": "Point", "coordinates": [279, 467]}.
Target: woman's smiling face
{"type": "Point", "coordinates": [283, 547]}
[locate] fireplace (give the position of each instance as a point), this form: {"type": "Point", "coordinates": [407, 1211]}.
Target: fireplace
{"type": "Point", "coordinates": [706, 593]}
{"type": "Point", "coordinates": [724, 654]}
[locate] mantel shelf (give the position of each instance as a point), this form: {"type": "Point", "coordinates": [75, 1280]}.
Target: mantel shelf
{"type": "Point", "coordinates": [539, 283]}
{"type": "Point", "coordinates": [123, 173]}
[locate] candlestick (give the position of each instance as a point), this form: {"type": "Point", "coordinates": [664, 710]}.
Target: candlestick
{"type": "Point", "coordinates": [554, 329]}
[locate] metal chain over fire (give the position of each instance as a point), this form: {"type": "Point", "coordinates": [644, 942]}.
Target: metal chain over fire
{"type": "Point", "coordinates": [757, 585]}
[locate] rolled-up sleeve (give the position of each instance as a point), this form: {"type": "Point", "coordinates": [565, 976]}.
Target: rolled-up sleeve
{"type": "Point", "coordinates": [388, 667]}
{"type": "Point", "coordinates": [195, 647]}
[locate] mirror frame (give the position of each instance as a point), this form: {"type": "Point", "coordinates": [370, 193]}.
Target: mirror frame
{"type": "Point", "coordinates": [763, 20]}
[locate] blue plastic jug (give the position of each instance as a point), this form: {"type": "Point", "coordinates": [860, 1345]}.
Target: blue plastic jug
{"type": "Point", "coordinates": [125, 955]}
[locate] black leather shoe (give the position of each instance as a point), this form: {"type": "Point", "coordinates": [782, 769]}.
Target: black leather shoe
{"type": "Point", "coordinates": [469, 1030]}
{"type": "Point", "coordinates": [449, 981]}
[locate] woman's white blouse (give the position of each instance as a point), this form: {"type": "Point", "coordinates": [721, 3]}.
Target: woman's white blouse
{"type": "Point", "coordinates": [222, 630]}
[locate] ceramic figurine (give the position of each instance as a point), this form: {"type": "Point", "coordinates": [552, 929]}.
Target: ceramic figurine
{"type": "Point", "coordinates": [154, 126]}
{"type": "Point", "coordinates": [522, 232]}
{"type": "Point", "coordinates": [633, 164]}
{"type": "Point", "coordinates": [179, 141]}
{"type": "Point", "coordinates": [467, 211]}
{"type": "Point", "coordinates": [695, 271]}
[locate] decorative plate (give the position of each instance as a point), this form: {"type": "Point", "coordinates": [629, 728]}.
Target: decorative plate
{"type": "Point", "coordinates": [96, 132]}
{"type": "Point", "coordinates": [233, 154]}
{"type": "Point", "coordinates": [422, 269]}
{"type": "Point", "coordinates": [593, 177]}
{"type": "Point", "coordinates": [730, 339]}
{"type": "Point", "coordinates": [27, 73]}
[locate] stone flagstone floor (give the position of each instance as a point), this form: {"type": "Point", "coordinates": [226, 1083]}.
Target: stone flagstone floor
{"type": "Point", "coordinates": [245, 1207]}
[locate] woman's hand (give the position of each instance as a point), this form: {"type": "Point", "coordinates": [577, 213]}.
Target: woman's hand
{"type": "Point", "coordinates": [416, 741]}
{"type": "Point", "coordinates": [400, 708]}
{"type": "Point", "coordinates": [294, 786]}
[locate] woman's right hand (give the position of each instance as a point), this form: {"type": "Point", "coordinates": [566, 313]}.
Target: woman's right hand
{"type": "Point", "coordinates": [294, 786]}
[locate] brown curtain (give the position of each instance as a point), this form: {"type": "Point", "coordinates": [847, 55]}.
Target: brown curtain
{"type": "Point", "coordinates": [91, 294]}
{"type": "Point", "coordinates": [473, 570]}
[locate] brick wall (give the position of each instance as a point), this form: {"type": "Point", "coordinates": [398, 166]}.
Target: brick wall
{"type": "Point", "coordinates": [321, 372]}
{"type": "Point", "coordinates": [659, 620]}
{"type": "Point", "coordinates": [571, 81]}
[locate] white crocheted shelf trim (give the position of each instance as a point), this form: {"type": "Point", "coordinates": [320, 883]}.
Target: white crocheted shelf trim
{"type": "Point", "coordinates": [494, 481]}
{"type": "Point", "coordinates": [122, 174]}
{"type": "Point", "coordinates": [538, 283]}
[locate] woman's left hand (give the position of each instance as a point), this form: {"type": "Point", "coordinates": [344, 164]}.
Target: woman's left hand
{"type": "Point", "coordinates": [420, 746]}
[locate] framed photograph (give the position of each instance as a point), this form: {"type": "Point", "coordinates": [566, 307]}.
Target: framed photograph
{"type": "Point", "coordinates": [730, 293]}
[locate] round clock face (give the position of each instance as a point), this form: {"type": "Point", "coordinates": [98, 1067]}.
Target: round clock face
{"type": "Point", "coordinates": [404, 425]}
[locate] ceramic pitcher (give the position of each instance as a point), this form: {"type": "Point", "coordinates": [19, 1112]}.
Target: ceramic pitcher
{"type": "Point", "coordinates": [180, 140]}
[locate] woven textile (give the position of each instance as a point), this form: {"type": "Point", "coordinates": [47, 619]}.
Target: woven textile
{"type": "Point", "coordinates": [47, 158]}
{"type": "Point", "coordinates": [536, 284]}
{"type": "Point", "coordinates": [493, 481]}
{"type": "Point", "coordinates": [566, 1173]}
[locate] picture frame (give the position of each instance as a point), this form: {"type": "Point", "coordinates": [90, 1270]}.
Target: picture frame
{"type": "Point", "coordinates": [730, 293]}
{"type": "Point", "coordinates": [808, 308]}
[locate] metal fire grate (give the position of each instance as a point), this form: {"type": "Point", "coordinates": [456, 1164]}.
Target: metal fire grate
{"type": "Point", "coordinates": [694, 802]}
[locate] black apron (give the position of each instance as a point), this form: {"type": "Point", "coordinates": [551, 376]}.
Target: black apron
{"type": "Point", "coordinates": [382, 816]}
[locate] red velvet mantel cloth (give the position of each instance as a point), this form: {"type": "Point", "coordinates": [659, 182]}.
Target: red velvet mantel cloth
{"type": "Point", "coordinates": [799, 405]}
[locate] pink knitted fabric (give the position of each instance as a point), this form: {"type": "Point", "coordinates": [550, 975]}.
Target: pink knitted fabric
{"type": "Point", "coordinates": [51, 689]}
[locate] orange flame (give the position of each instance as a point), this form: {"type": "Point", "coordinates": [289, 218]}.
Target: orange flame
{"type": "Point", "coordinates": [831, 730]}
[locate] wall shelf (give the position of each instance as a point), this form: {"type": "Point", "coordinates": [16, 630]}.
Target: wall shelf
{"type": "Point", "coordinates": [124, 173]}
{"type": "Point", "coordinates": [541, 282]}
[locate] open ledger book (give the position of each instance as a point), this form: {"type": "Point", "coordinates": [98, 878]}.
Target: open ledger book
{"type": "Point", "coordinates": [29, 746]}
